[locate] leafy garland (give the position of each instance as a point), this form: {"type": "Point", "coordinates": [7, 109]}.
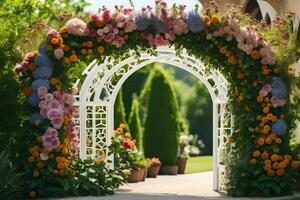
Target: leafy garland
{"type": "Point", "coordinates": [259, 163]}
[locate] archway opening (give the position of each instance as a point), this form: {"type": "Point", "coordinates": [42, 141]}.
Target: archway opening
{"type": "Point", "coordinates": [253, 9]}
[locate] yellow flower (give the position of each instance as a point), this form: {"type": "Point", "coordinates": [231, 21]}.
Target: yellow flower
{"type": "Point", "coordinates": [260, 98]}
{"type": "Point", "coordinates": [253, 161]}
{"type": "Point", "coordinates": [223, 50]}
{"type": "Point", "coordinates": [215, 19]}
{"type": "Point", "coordinates": [32, 194]}
{"type": "Point", "coordinates": [278, 141]}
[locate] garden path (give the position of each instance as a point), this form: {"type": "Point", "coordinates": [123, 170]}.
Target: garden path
{"type": "Point", "coordinates": [196, 186]}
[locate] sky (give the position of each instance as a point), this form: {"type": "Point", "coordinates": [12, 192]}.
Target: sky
{"type": "Point", "coordinates": [96, 4]}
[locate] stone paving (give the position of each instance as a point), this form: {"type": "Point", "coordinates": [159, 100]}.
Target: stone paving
{"type": "Point", "coordinates": [181, 187]}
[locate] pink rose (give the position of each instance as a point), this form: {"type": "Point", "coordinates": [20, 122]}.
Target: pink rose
{"type": "Point", "coordinates": [52, 33]}
{"type": "Point", "coordinates": [25, 65]}
{"type": "Point", "coordinates": [58, 53]}
{"type": "Point", "coordinates": [265, 90]}
{"type": "Point", "coordinates": [95, 17]}
{"type": "Point", "coordinates": [76, 26]}
{"type": "Point", "coordinates": [49, 97]}
{"type": "Point", "coordinates": [54, 114]}
{"type": "Point", "coordinates": [57, 123]}
{"type": "Point", "coordinates": [277, 102]}
{"type": "Point", "coordinates": [109, 37]}
{"type": "Point", "coordinates": [106, 16]}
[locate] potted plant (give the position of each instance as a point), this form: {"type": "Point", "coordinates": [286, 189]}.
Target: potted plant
{"type": "Point", "coordinates": [154, 168]}
{"type": "Point", "coordinates": [182, 159]}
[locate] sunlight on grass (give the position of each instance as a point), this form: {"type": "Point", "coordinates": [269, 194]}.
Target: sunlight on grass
{"type": "Point", "coordinates": [199, 164]}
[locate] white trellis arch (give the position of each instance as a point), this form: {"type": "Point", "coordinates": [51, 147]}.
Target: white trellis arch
{"type": "Point", "coordinates": [100, 87]}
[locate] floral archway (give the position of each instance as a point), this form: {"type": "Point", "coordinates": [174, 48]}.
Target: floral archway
{"type": "Point", "coordinates": [259, 163]}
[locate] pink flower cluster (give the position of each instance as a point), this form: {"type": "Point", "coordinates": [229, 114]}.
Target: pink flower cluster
{"type": "Point", "coordinates": [52, 33]}
{"type": "Point", "coordinates": [50, 139]}
{"type": "Point", "coordinates": [247, 40]}
{"type": "Point", "coordinates": [24, 66]}
{"type": "Point", "coordinates": [276, 102]}
{"type": "Point", "coordinates": [76, 27]}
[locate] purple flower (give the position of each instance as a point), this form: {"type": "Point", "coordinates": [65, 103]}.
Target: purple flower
{"type": "Point", "coordinates": [35, 118]}
{"type": "Point", "coordinates": [42, 73]}
{"type": "Point", "coordinates": [158, 25]}
{"type": "Point", "coordinates": [279, 88]}
{"type": "Point", "coordinates": [195, 22]}
{"type": "Point", "coordinates": [142, 21]}
{"type": "Point", "coordinates": [33, 99]}
{"type": "Point", "coordinates": [43, 60]}
{"type": "Point", "coordinates": [40, 83]}
{"type": "Point", "coordinates": [279, 127]}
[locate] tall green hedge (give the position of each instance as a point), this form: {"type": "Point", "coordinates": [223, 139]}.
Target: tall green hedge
{"type": "Point", "coordinates": [135, 122]}
{"type": "Point", "coordinates": [119, 111]}
{"type": "Point", "coordinates": [162, 123]}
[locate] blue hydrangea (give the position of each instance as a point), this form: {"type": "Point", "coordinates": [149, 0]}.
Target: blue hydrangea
{"type": "Point", "coordinates": [157, 24]}
{"type": "Point", "coordinates": [42, 73]}
{"type": "Point", "coordinates": [43, 60]}
{"type": "Point", "coordinates": [279, 88]}
{"type": "Point", "coordinates": [35, 118]}
{"type": "Point", "coordinates": [43, 50]}
{"type": "Point", "coordinates": [33, 99]}
{"type": "Point", "coordinates": [40, 83]}
{"type": "Point", "coordinates": [279, 127]}
{"type": "Point", "coordinates": [195, 22]}
{"type": "Point", "coordinates": [142, 21]}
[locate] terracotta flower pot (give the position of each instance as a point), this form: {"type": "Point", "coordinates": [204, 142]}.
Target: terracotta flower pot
{"type": "Point", "coordinates": [181, 162]}
{"type": "Point", "coordinates": [145, 172]}
{"type": "Point", "coordinates": [135, 176]}
{"type": "Point", "coordinates": [169, 170]}
{"type": "Point", "coordinates": [153, 171]}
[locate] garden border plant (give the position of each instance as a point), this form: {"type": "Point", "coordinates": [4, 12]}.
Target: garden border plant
{"type": "Point", "coordinates": [259, 89]}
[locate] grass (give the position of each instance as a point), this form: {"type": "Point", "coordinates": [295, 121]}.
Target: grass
{"type": "Point", "coordinates": [199, 164]}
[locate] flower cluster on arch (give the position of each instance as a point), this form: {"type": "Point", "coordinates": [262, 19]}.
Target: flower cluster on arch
{"type": "Point", "coordinates": [157, 26]}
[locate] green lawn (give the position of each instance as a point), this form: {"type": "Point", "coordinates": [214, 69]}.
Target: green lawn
{"type": "Point", "coordinates": [199, 164]}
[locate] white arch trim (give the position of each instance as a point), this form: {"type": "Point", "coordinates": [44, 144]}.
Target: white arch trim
{"type": "Point", "coordinates": [96, 116]}
{"type": "Point", "coordinates": [267, 8]}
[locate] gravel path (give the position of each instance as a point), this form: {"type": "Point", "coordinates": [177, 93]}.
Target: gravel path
{"type": "Point", "coordinates": [181, 187]}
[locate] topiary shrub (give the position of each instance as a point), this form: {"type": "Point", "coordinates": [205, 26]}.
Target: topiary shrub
{"type": "Point", "coordinates": [135, 122]}
{"type": "Point", "coordinates": [162, 123]}
{"type": "Point", "coordinates": [119, 111]}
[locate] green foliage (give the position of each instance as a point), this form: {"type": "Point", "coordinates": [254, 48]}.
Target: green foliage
{"type": "Point", "coordinates": [11, 182]}
{"type": "Point", "coordinates": [199, 114]}
{"type": "Point", "coordinates": [119, 113]}
{"type": "Point", "coordinates": [135, 123]}
{"type": "Point", "coordinates": [161, 126]}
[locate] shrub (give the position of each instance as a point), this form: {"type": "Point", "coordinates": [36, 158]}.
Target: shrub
{"type": "Point", "coordinates": [161, 126]}
{"type": "Point", "coordinates": [119, 114]}
{"type": "Point", "coordinates": [135, 122]}
{"type": "Point", "coordinates": [11, 184]}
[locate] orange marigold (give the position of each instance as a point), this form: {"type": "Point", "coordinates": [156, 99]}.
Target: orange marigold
{"type": "Point", "coordinates": [280, 172]}
{"type": "Point", "coordinates": [36, 174]}
{"type": "Point", "coordinates": [32, 194]}
{"type": "Point", "coordinates": [295, 164]}
{"type": "Point", "coordinates": [253, 161]}
{"type": "Point", "coordinates": [54, 41]}
{"type": "Point", "coordinates": [73, 58]}
{"type": "Point", "coordinates": [100, 49]}
{"type": "Point", "coordinates": [53, 81]}
{"type": "Point", "coordinates": [30, 159]}
{"type": "Point", "coordinates": [260, 98]}
{"type": "Point", "coordinates": [268, 140]}
{"type": "Point", "coordinates": [275, 165]}
{"type": "Point", "coordinates": [27, 91]}
{"type": "Point", "coordinates": [261, 141]}
{"type": "Point", "coordinates": [125, 37]}
{"type": "Point", "coordinates": [256, 153]}
{"type": "Point", "coordinates": [255, 54]}
{"type": "Point", "coordinates": [266, 110]}
{"type": "Point", "coordinates": [265, 155]}
{"type": "Point", "coordinates": [278, 141]}
{"type": "Point", "coordinates": [223, 50]}
{"type": "Point", "coordinates": [275, 157]}
{"type": "Point", "coordinates": [215, 19]}
{"type": "Point", "coordinates": [270, 172]}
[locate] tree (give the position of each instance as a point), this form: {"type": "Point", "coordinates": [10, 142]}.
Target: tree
{"type": "Point", "coordinates": [119, 111]}
{"type": "Point", "coordinates": [161, 133]}
{"type": "Point", "coordinates": [135, 122]}
{"type": "Point", "coordinates": [200, 115]}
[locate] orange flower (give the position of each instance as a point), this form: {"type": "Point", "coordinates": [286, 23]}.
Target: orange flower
{"type": "Point", "coordinates": [256, 153]}
{"type": "Point", "coordinates": [63, 29]}
{"type": "Point", "coordinates": [288, 157]}
{"type": "Point", "coordinates": [100, 23]}
{"type": "Point", "coordinates": [30, 159]}
{"type": "Point", "coordinates": [260, 98]}
{"type": "Point", "coordinates": [27, 91]}
{"type": "Point", "coordinates": [275, 157]}
{"type": "Point", "coordinates": [278, 141]}
{"type": "Point", "coordinates": [90, 51]}
{"type": "Point", "coordinates": [261, 141]}
{"type": "Point", "coordinates": [255, 54]}
{"type": "Point", "coordinates": [223, 50]}
{"type": "Point", "coordinates": [267, 99]}
{"type": "Point", "coordinates": [89, 44]}
{"type": "Point", "coordinates": [265, 155]}
{"type": "Point", "coordinates": [280, 172]}
{"type": "Point", "coordinates": [49, 47]}
{"type": "Point", "coordinates": [253, 161]}
{"type": "Point", "coordinates": [267, 128]}
{"type": "Point", "coordinates": [54, 41]}
{"type": "Point", "coordinates": [122, 126]}
{"type": "Point", "coordinates": [40, 164]}
{"type": "Point", "coordinates": [270, 172]}
{"type": "Point", "coordinates": [273, 136]}
{"type": "Point", "coordinates": [32, 194]}
{"type": "Point", "coordinates": [275, 165]}
{"type": "Point", "coordinates": [65, 35]}
{"type": "Point", "coordinates": [274, 119]}
{"type": "Point", "coordinates": [62, 172]}
{"type": "Point", "coordinates": [295, 164]}
{"type": "Point", "coordinates": [126, 37]}
{"type": "Point", "coordinates": [206, 19]}
{"type": "Point", "coordinates": [32, 66]}
{"type": "Point", "coordinates": [232, 60]}
{"type": "Point", "coordinates": [265, 119]}
{"type": "Point", "coordinates": [36, 174]}
{"type": "Point", "coordinates": [268, 140]}
{"type": "Point", "coordinates": [83, 51]}
{"type": "Point", "coordinates": [99, 162]}
{"type": "Point", "coordinates": [73, 58]}
{"type": "Point", "coordinates": [127, 135]}
{"type": "Point", "coordinates": [276, 150]}
{"type": "Point", "coordinates": [215, 19]}
{"type": "Point", "coordinates": [66, 60]}
{"type": "Point", "coordinates": [66, 48]}
{"type": "Point", "coordinates": [268, 162]}
{"type": "Point", "coordinates": [266, 110]}
{"type": "Point", "coordinates": [258, 117]}
{"type": "Point", "coordinates": [267, 167]}
{"type": "Point", "coordinates": [254, 84]}
{"type": "Point", "coordinates": [240, 75]}
{"type": "Point", "coordinates": [282, 165]}
{"type": "Point", "coordinates": [53, 81]}
{"type": "Point", "coordinates": [100, 49]}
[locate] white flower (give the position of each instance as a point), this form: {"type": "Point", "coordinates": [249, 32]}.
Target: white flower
{"type": "Point", "coordinates": [100, 32]}
{"type": "Point", "coordinates": [116, 31]}
{"type": "Point", "coordinates": [43, 156]}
